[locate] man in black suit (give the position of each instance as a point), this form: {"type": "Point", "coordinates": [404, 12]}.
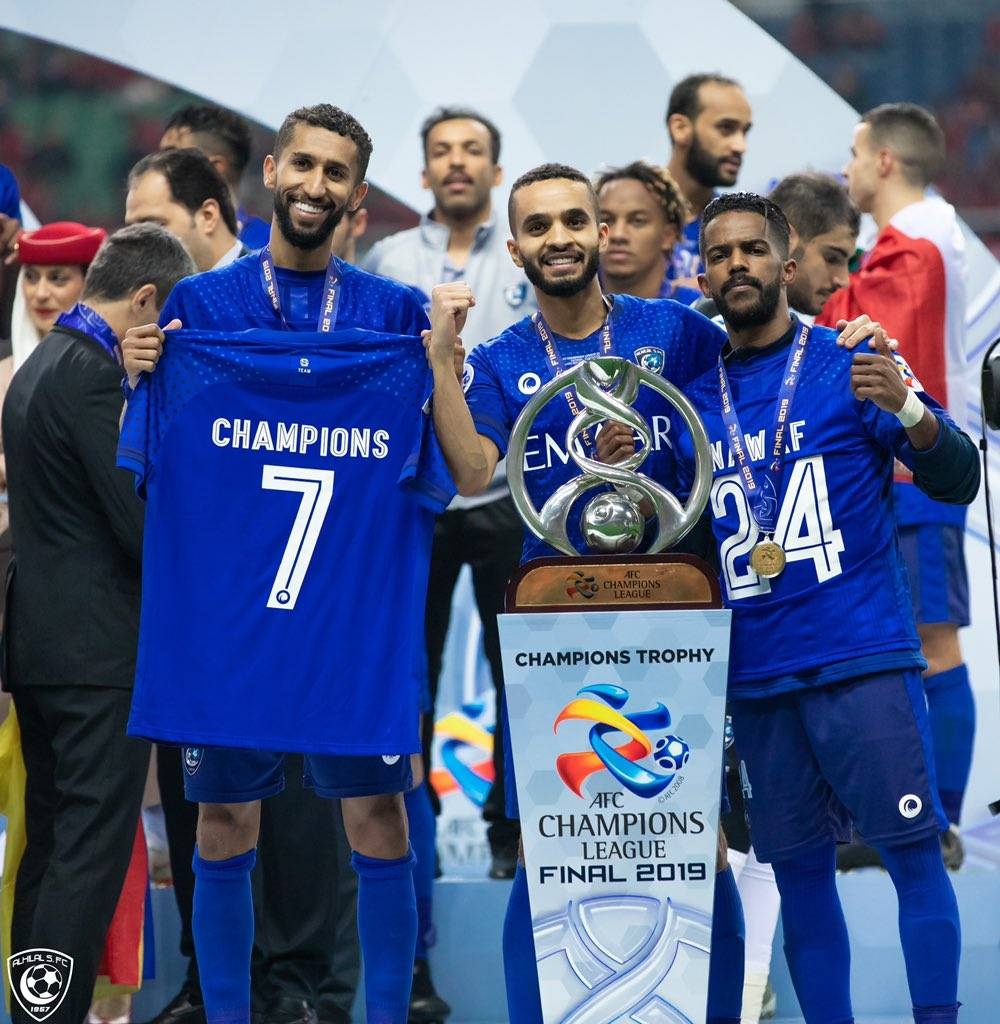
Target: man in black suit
{"type": "Point", "coordinates": [72, 623]}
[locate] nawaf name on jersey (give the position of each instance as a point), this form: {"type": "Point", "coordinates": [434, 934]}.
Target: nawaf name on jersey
{"type": "Point", "coordinates": [291, 483]}
{"type": "Point", "coordinates": [504, 374]}
{"type": "Point", "coordinates": [840, 608]}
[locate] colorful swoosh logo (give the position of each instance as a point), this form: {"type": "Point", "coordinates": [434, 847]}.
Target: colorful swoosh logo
{"type": "Point", "coordinates": [670, 753]}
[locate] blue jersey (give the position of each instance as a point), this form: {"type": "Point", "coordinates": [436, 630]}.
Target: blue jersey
{"type": "Point", "coordinates": [291, 486]}
{"type": "Point", "coordinates": [841, 608]}
{"type": "Point", "coordinates": [503, 374]}
{"type": "Point", "coordinates": [254, 232]}
{"type": "Point", "coordinates": [686, 258]}
{"type": "Point", "coordinates": [10, 194]}
{"type": "Point", "coordinates": [232, 298]}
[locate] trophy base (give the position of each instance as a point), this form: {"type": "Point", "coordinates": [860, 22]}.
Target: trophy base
{"type": "Point", "coordinates": [613, 583]}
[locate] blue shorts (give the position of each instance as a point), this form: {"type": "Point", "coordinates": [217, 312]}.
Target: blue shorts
{"type": "Point", "coordinates": [225, 775]}
{"type": "Point", "coordinates": [934, 554]}
{"type": "Point", "coordinates": [813, 760]}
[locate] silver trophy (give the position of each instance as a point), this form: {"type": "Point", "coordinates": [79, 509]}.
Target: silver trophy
{"type": "Point", "coordinates": [612, 522]}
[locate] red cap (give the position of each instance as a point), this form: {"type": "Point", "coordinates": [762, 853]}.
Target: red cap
{"type": "Point", "coordinates": [64, 241]}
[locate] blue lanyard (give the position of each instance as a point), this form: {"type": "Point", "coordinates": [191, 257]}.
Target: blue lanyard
{"type": "Point", "coordinates": [83, 319]}
{"type": "Point", "coordinates": [762, 491]}
{"type": "Point", "coordinates": [557, 363]}
{"type": "Point", "coordinates": [331, 292]}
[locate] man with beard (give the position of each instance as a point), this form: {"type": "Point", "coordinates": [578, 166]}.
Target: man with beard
{"type": "Point", "coordinates": [824, 680]}
{"type": "Point", "coordinates": [461, 239]}
{"type": "Point", "coordinates": [824, 225]}
{"type": "Point", "coordinates": [708, 120]}
{"type": "Point", "coordinates": [558, 240]}
{"type": "Point", "coordinates": [317, 174]}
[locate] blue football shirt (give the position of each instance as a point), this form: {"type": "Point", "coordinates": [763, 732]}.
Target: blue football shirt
{"type": "Point", "coordinates": [291, 485]}
{"type": "Point", "coordinates": [502, 375]}
{"type": "Point", "coordinates": [841, 608]}
{"type": "Point", "coordinates": [233, 299]}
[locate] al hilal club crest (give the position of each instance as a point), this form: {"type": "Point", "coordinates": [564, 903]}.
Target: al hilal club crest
{"type": "Point", "coordinates": [39, 980]}
{"type": "Point", "coordinates": [650, 358]}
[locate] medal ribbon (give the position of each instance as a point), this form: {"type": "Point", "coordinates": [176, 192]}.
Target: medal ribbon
{"type": "Point", "coordinates": [557, 363]}
{"type": "Point", "coordinates": [331, 292]}
{"type": "Point", "coordinates": [762, 491]}
{"type": "Point", "coordinates": [85, 320]}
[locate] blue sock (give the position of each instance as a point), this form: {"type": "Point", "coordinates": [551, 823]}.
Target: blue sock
{"type": "Point", "coordinates": [524, 1001]}
{"type": "Point", "coordinates": [816, 941]}
{"type": "Point", "coordinates": [928, 926]}
{"type": "Point", "coordinates": [223, 935]}
{"type": "Point", "coordinates": [387, 928]}
{"type": "Point", "coordinates": [423, 832]}
{"type": "Point", "coordinates": [725, 969]}
{"type": "Point", "coordinates": [951, 709]}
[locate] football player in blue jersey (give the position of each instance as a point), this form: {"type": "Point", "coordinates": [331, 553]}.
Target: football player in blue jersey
{"type": "Point", "coordinates": [558, 240]}
{"type": "Point", "coordinates": [825, 687]}
{"type": "Point", "coordinates": [317, 174]}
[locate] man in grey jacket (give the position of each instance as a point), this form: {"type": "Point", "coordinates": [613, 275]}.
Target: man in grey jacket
{"type": "Point", "coordinates": [463, 239]}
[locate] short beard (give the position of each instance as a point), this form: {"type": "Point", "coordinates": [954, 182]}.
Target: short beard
{"type": "Point", "coordinates": [307, 240]}
{"type": "Point", "coordinates": [759, 312]}
{"type": "Point", "coordinates": [563, 289]}
{"type": "Point", "coordinates": [702, 166]}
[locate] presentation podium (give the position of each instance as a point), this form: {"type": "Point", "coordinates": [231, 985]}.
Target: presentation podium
{"type": "Point", "coordinates": [615, 668]}
{"type": "Point", "coordinates": [615, 678]}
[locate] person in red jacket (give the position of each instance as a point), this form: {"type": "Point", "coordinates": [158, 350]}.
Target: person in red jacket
{"type": "Point", "coordinates": [912, 282]}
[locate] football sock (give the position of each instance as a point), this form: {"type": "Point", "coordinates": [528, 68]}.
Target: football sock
{"type": "Point", "coordinates": [524, 1001]}
{"type": "Point", "coordinates": [387, 928]}
{"type": "Point", "coordinates": [725, 968]}
{"type": "Point", "coordinates": [952, 712]}
{"type": "Point", "coordinates": [423, 832]}
{"type": "Point", "coordinates": [816, 942]}
{"type": "Point", "coordinates": [222, 922]}
{"type": "Point", "coordinates": [761, 903]}
{"type": "Point", "coordinates": [928, 925]}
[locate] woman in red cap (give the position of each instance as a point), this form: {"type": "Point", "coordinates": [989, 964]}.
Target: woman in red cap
{"type": "Point", "coordinates": [54, 261]}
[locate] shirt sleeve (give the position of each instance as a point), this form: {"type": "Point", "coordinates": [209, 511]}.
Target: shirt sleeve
{"type": "Point", "coordinates": [948, 471]}
{"type": "Point", "coordinates": [10, 194]}
{"type": "Point", "coordinates": [484, 395]}
{"type": "Point", "coordinates": [695, 347]}
{"type": "Point", "coordinates": [93, 420]}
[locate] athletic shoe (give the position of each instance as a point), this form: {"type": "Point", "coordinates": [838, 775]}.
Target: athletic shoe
{"type": "Point", "coordinates": [187, 1007]}
{"type": "Point", "coordinates": [857, 854]}
{"type": "Point", "coordinates": [426, 1006]}
{"type": "Point", "coordinates": [289, 1010]}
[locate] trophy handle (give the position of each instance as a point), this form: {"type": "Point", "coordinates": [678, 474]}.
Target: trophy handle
{"type": "Point", "coordinates": [589, 379]}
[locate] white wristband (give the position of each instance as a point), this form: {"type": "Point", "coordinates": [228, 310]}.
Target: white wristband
{"type": "Point", "coordinates": [913, 410]}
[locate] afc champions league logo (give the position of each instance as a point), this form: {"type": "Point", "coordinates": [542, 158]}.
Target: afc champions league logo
{"type": "Point", "coordinates": [39, 980]}
{"type": "Point", "coordinates": [605, 389]}
{"type": "Point", "coordinates": [629, 763]}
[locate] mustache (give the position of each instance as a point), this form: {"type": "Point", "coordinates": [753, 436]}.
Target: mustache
{"type": "Point", "coordinates": [736, 282]}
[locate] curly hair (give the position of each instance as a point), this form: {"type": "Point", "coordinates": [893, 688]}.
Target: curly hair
{"type": "Point", "coordinates": [659, 183]}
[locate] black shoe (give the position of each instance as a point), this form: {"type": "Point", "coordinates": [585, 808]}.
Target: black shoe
{"type": "Point", "coordinates": [502, 865]}
{"type": "Point", "coordinates": [857, 854]}
{"type": "Point", "coordinates": [426, 1006]}
{"type": "Point", "coordinates": [289, 1010]}
{"type": "Point", "coordinates": [187, 1007]}
{"type": "Point", "coordinates": [952, 849]}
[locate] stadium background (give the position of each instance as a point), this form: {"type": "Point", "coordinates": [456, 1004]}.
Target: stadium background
{"type": "Point", "coordinates": [83, 95]}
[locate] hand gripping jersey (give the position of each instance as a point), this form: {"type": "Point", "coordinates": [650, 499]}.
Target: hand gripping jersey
{"type": "Point", "coordinates": [841, 607]}
{"type": "Point", "coordinates": [913, 283]}
{"type": "Point", "coordinates": [291, 485]}
{"type": "Point", "coordinates": [502, 375]}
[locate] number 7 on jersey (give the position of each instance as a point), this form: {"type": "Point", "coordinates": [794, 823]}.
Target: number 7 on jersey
{"type": "Point", "coordinates": [316, 488]}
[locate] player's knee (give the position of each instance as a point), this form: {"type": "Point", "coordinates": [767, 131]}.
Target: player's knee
{"type": "Point", "coordinates": [376, 825]}
{"type": "Point", "coordinates": [227, 830]}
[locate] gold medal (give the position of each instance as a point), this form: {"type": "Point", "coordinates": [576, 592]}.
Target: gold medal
{"type": "Point", "coordinates": [767, 559]}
